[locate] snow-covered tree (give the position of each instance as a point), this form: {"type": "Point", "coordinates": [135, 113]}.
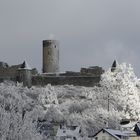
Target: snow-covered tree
{"type": "Point", "coordinates": [18, 119]}
{"type": "Point", "coordinates": [121, 87]}
{"type": "Point", "coordinates": [23, 111]}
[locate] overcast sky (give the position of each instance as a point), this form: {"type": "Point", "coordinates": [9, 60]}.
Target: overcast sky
{"type": "Point", "coordinates": [91, 32]}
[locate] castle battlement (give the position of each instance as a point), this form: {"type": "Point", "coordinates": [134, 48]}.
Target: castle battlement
{"type": "Point", "coordinates": [23, 73]}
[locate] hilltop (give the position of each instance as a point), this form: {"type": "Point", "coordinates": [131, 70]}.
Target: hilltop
{"type": "Point", "coordinates": [23, 111]}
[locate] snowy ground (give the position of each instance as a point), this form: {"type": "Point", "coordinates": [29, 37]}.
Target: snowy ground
{"type": "Point", "coordinates": [22, 109]}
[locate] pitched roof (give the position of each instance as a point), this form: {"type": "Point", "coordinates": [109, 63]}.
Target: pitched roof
{"type": "Point", "coordinates": [114, 64]}
{"type": "Point", "coordinates": [115, 133]}
{"type": "Point", "coordinates": [25, 65]}
{"type": "Point", "coordinates": [138, 125]}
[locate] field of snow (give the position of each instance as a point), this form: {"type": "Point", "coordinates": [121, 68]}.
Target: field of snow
{"type": "Point", "coordinates": [22, 109]}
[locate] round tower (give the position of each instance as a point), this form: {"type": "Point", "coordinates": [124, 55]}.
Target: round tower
{"type": "Point", "coordinates": [25, 75]}
{"type": "Point", "coordinates": [50, 56]}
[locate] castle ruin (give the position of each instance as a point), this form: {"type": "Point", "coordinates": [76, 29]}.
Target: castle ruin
{"type": "Point", "coordinates": [50, 56]}
{"type": "Point", "coordinates": [50, 71]}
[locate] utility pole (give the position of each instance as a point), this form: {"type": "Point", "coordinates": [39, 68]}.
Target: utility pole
{"type": "Point", "coordinates": [108, 108]}
{"type": "Point", "coordinates": [108, 105]}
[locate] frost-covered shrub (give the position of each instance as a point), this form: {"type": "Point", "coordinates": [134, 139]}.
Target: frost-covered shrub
{"type": "Point", "coordinates": [23, 110]}
{"type": "Point", "coordinates": [17, 117]}
{"type": "Point", "coordinates": [78, 107]}
{"type": "Point", "coordinates": [53, 114]}
{"type": "Point", "coordinates": [47, 96]}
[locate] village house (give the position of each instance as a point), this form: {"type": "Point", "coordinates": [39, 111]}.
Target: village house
{"type": "Point", "coordinates": [110, 134]}
{"type": "Point", "coordinates": [70, 133]}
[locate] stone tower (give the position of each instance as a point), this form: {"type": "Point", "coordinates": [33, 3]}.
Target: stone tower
{"type": "Point", "coordinates": [50, 56]}
{"type": "Point", "coordinates": [25, 74]}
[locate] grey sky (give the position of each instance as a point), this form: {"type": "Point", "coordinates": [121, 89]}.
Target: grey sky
{"type": "Point", "coordinates": [91, 32]}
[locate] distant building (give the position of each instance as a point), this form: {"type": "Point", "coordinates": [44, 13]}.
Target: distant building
{"type": "Point", "coordinates": [127, 124]}
{"type": "Point", "coordinates": [111, 134]}
{"type": "Point", "coordinates": [70, 133]}
{"type": "Point", "coordinates": [131, 125]}
{"type": "Point", "coordinates": [50, 56]}
{"type": "Point", "coordinates": [20, 73]}
{"type": "Point", "coordinates": [24, 74]}
{"type": "Point", "coordinates": [50, 71]}
{"type": "Point", "coordinates": [137, 129]}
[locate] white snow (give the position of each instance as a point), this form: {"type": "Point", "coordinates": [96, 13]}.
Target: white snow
{"type": "Point", "coordinates": [21, 108]}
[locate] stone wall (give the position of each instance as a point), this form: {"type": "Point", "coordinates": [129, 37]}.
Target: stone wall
{"type": "Point", "coordinates": [8, 74]}
{"type": "Point", "coordinates": [86, 77]}
{"type": "Point", "coordinates": [12, 73]}
{"type": "Point", "coordinates": [87, 81]}
{"type": "Point", "coordinates": [92, 71]}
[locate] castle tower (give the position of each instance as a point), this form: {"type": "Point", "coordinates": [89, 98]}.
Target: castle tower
{"type": "Point", "coordinates": [50, 56]}
{"type": "Point", "coordinates": [25, 74]}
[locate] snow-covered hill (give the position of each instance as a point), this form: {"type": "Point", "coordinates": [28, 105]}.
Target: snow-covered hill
{"type": "Point", "coordinates": [22, 109]}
